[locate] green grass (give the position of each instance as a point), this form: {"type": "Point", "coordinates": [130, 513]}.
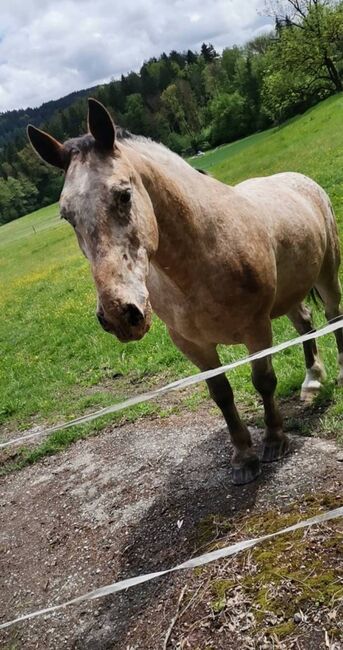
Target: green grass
{"type": "Point", "coordinates": [56, 361]}
{"type": "Point", "coordinates": [209, 160]}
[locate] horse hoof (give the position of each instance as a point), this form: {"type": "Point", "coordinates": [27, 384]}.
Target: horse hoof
{"type": "Point", "coordinates": [247, 472]}
{"type": "Point", "coordinates": [308, 395]}
{"type": "Point", "coordinates": [275, 450]}
{"type": "Point", "coordinates": [312, 383]}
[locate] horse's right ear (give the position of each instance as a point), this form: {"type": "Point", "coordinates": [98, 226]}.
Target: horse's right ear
{"type": "Point", "coordinates": [49, 149]}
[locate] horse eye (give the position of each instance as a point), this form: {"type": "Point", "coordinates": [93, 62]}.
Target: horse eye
{"type": "Point", "coordinates": [125, 196]}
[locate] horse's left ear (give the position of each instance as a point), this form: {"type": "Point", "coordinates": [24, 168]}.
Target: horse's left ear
{"type": "Point", "coordinates": [100, 124]}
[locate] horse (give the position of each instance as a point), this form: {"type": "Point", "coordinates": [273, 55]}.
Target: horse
{"type": "Point", "coordinates": [216, 263]}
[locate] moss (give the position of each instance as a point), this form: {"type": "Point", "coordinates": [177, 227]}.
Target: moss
{"type": "Point", "coordinates": [273, 520]}
{"type": "Point", "coordinates": [335, 633]}
{"type": "Point", "coordinates": [263, 601]}
{"type": "Point", "coordinates": [335, 542]}
{"type": "Point", "coordinates": [221, 587]}
{"type": "Point", "coordinates": [287, 573]}
{"type": "Point", "coordinates": [198, 571]}
{"type": "Point", "coordinates": [218, 606]}
{"type": "Point", "coordinates": [270, 522]}
{"type": "Point", "coordinates": [330, 501]}
{"type": "Point", "coordinates": [289, 577]}
{"type": "Point", "coordinates": [281, 629]}
{"type": "Point", "coordinates": [211, 528]}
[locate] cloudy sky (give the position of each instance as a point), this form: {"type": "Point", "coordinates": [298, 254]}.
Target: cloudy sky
{"type": "Point", "coordinates": [49, 48]}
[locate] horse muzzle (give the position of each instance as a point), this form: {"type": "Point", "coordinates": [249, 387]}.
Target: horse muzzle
{"type": "Point", "coordinates": [130, 325]}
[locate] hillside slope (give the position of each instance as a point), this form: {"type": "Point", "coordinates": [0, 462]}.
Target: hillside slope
{"type": "Point", "coordinates": [58, 362]}
{"type": "Point", "coordinates": [13, 123]}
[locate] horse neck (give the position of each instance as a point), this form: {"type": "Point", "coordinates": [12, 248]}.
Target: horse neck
{"type": "Point", "coordinates": [173, 190]}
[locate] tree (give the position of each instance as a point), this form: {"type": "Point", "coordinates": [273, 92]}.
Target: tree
{"type": "Point", "coordinates": [208, 52]}
{"type": "Point", "coordinates": [260, 45]}
{"type": "Point", "coordinates": [135, 117]}
{"type": "Point", "coordinates": [17, 196]}
{"type": "Point", "coordinates": [310, 39]}
{"type": "Point", "coordinates": [190, 100]}
{"type": "Point", "coordinates": [215, 78]}
{"type": "Point", "coordinates": [229, 118]}
{"type": "Point", "coordinates": [173, 109]}
{"type": "Point", "coordinates": [283, 95]}
{"type": "Point", "coordinates": [192, 57]}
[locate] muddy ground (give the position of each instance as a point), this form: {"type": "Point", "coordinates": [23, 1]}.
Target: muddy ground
{"type": "Point", "coordinates": [130, 501]}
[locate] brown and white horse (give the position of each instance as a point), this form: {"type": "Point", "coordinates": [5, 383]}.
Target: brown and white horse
{"type": "Point", "coordinates": [216, 263]}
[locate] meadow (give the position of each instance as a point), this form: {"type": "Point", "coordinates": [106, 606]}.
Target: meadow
{"type": "Point", "coordinates": [57, 363]}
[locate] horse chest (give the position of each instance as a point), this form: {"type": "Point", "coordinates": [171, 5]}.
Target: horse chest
{"type": "Point", "coordinates": [197, 315]}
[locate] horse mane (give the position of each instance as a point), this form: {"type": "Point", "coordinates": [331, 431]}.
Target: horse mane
{"type": "Point", "coordinates": [155, 151]}
{"type": "Point", "coordinates": [145, 146]}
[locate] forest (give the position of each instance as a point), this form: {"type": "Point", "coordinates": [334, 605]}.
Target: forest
{"type": "Point", "coordinates": [190, 101]}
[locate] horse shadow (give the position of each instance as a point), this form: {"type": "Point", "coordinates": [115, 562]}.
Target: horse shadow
{"type": "Point", "coordinates": [197, 490]}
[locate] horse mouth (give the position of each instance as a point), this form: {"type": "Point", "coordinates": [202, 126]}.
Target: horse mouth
{"type": "Point", "coordinates": [128, 338]}
{"type": "Point", "coordinates": [135, 334]}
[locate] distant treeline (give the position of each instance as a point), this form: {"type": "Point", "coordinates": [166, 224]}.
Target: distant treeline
{"type": "Point", "coordinates": [189, 100]}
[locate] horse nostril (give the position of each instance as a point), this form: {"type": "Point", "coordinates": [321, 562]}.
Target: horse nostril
{"type": "Point", "coordinates": [133, 315]}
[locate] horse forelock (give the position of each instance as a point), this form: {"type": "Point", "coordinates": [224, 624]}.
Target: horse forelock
{"type": "Point", "coordinates": [86, 144]}
{"type": "Point", "coordinates": [156, 151]}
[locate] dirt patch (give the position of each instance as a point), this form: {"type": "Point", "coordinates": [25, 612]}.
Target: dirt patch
{"type": "Point", "coordinates": [109, 508]}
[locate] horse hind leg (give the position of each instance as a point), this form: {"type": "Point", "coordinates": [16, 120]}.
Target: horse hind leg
{"type": "Point", "coordinates": [301, 318]}
{"type": "Point", "coordinates": [329, 289]}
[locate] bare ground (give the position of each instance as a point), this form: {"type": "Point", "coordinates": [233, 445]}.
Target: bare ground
{"type": "Point", "coordinates": [126, 502]}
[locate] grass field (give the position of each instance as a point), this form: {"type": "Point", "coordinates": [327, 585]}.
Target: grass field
{"type": "Point", "coordinates": [57, 363]}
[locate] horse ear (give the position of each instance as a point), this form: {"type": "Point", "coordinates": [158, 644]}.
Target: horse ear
{"type": "Point", "coordinates": [100, 124]}
{"type": "Point", "coordinates": [49, 149]}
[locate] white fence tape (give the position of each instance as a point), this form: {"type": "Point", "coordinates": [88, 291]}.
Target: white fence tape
{"type": "Point", "coordinates": [179, 384]}
{"type": "Point", "coordinates": [206, 558]}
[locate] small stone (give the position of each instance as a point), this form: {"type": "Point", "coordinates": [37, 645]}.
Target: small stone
{"type": "Point", "coordinates": [339, 457]}
{"type": "Point", "coordinates": [297, 618]}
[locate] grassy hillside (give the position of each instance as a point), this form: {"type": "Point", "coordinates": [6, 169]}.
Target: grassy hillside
{"type": "Point", "coordinates": [57, 362]}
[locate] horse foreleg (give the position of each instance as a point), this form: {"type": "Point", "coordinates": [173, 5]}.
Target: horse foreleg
{"type": "Point", "coordinates": [245, 463]}
{"type": "Point", "coordinates": [276, 443]}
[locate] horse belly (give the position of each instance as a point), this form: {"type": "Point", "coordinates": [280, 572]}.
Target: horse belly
{"type": "Point", "coordinates": [296, 212]}
{"type": "Point", "coordinates": [299, 259]}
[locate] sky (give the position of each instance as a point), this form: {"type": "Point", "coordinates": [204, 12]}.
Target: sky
{"type": "Point", "coordinates": [49, 48]}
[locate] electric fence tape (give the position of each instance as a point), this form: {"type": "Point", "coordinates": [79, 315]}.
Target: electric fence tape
{"type": "Point", "coordinates": [201, 560]}
{"type": "Point", "coordinates": [179, 384]}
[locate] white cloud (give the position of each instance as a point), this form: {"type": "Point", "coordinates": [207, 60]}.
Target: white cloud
{"type": "Point", "coordinates": [49, 49]}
